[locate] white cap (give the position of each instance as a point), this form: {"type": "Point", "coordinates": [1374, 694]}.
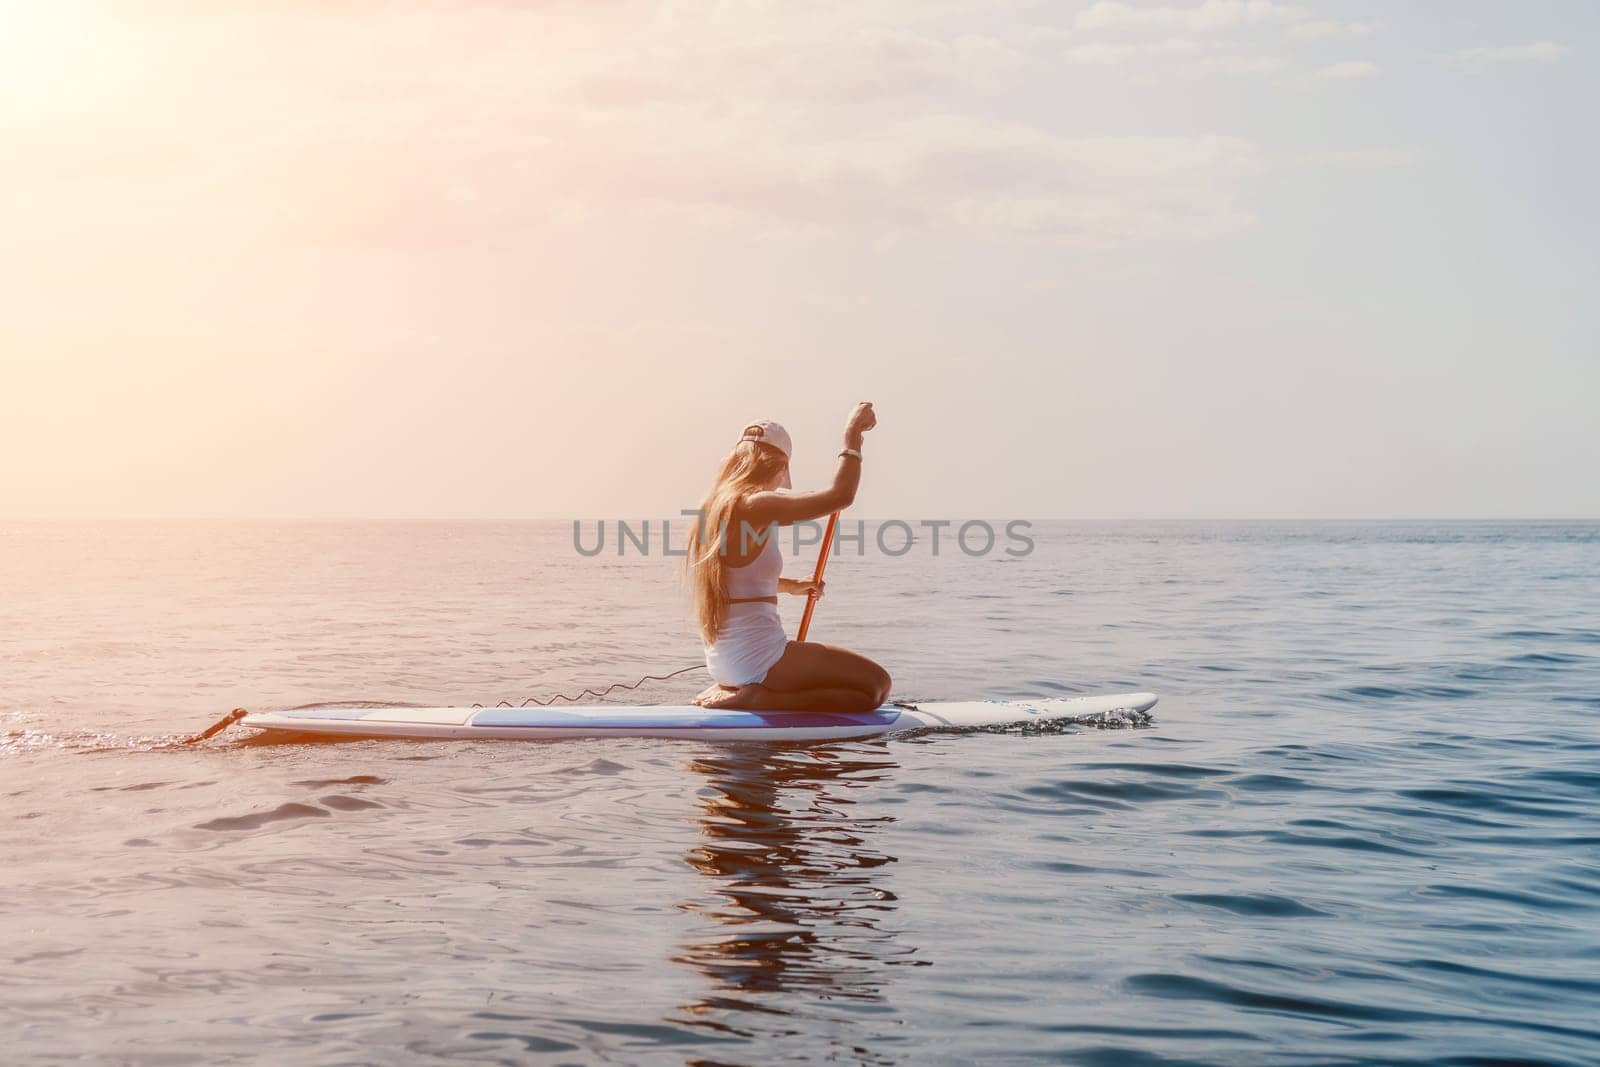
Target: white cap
{"type": "Point", "coordinates": [767, 432]}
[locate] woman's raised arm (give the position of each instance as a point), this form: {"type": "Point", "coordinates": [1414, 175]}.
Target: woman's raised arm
{"type": "Point", "coordinates": [763, 508]}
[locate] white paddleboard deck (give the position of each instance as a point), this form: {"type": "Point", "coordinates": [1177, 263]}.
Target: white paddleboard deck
{"type": "Point", "coordinates": [687, 722]}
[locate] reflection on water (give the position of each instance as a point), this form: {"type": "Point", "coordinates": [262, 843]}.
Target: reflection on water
{"type": "Point", "coordinates": [1364, 833]}
{"type": "Point", "coordinates": [797, 902]}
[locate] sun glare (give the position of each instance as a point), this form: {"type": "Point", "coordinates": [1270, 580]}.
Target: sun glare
{"type": "Point", "coordinates": [51, 54]}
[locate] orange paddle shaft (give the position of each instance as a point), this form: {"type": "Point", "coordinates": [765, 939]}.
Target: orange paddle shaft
{"type": "Point", "coordinates": [822, 563]}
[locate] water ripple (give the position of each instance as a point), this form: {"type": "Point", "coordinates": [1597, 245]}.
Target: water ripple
{"type": "Point", "coordinates": [1362, 830]}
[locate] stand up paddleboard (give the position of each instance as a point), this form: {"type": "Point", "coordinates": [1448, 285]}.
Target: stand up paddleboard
{"type": "Point", "coordinates": [692, 723]}
{"type": "Point", "coordinates": [541, 723]}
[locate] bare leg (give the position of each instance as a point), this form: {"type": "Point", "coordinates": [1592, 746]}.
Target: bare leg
{"type": "Point", "coordinates": [811, 677]}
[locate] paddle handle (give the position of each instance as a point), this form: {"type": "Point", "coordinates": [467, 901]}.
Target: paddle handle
{"type": "Point", "coordinates": [822, 564]}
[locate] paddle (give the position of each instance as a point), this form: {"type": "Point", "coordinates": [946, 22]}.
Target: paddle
{"type": "Point", "coordinates": [822, 564]}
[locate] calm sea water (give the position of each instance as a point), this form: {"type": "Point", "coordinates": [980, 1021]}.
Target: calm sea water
{"type": "Point", "coordinates": [1364, 826]}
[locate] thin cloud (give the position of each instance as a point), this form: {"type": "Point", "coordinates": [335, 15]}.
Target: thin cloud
{"type": "Point", "coordinates": [1505, 55]}
{"type": "Point", "coordinates": [1365, 158]}
{"type": "Point", "coordinates": [1236, 66]}
{"type": "Point", "coordinates": [1103, 54]}
{"type": "Point", "coordinates": [1350, 70]}
{"type": "Point", "coordinates": [1210, 16]}
{"type": "Point", "coordinates": [934, 174]}
{"type": "Point", "coordinates": [1325, 28]}
{"type": "Point", "coordinates": [765, 120]}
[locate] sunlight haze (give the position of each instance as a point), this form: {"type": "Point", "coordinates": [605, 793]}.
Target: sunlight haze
{"type": "Point", "coordinates": [1235, 259]}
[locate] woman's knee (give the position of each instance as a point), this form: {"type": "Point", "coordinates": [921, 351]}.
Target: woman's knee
{"type": "Point", "coordinates": [882, 683]}
{"type": "Point", "coordinates": [871, 679]}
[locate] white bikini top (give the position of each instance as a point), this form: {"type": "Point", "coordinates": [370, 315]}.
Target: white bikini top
{"type": "Point", "coordinates": [758, 578]}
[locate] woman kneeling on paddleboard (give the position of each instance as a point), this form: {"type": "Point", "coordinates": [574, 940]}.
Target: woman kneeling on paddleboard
{"type": "Point", "coordinates": [736, 581]}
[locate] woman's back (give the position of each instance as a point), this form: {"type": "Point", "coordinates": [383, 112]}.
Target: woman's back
{"type": "Point", "coordinates": [757, 577]}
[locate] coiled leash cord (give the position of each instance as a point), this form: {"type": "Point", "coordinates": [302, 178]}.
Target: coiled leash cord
{"type": "Point", "coordinates": [238, 713]}
{"type": "Point", "coordinates": [535, 702]}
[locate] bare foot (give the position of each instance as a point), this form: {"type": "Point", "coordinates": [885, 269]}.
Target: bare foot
{"type": "Point", "coordinates": [712, 692]}
{"type": "Point", "coordinates": [746, 696]}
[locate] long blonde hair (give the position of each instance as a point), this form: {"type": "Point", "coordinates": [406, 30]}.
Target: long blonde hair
{"type": "Point", "coordinates": [749, 468]}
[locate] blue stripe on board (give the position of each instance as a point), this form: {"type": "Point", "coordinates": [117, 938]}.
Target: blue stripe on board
{"type": "Point", "coordinates": [681, 719]}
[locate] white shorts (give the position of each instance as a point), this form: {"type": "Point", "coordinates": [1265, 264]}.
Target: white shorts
{"type": "Point", "coordinates": [751, 641]}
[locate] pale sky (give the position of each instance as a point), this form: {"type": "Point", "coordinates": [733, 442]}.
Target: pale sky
{"type": "Point", "coordinates": [388, 259]}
